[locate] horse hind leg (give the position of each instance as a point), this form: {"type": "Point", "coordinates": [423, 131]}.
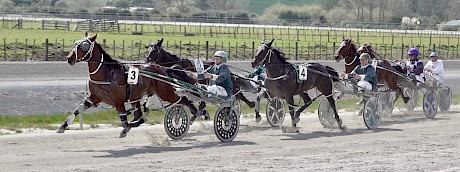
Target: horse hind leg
{"type": "Point", "coordinates": [87, 103]}
{"type": "Point", "coordinates": [307, 102]}
{"type": "Point", "coordinates": [257, 105]}
{"type": "Point", "coordinates": [138, 119]}
{"type": "Point", "coordinates": [331, 101]}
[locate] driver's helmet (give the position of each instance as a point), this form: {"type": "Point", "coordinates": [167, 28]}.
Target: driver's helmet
{"type": "Point", "coordinates": [413, 51]}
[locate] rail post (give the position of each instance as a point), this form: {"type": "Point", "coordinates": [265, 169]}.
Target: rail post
{"type": "Point", "coordinates": [46, 49]}
{"type": "Point", "coordinates": [207, 50]}
{"type": "Point", "coordinates": [296, 49]}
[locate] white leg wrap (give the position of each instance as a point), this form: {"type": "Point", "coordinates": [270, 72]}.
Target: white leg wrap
{"type": "Point", "coordinates": [79, 109]}
{"type": "Point", "coordinates": [70, 119]}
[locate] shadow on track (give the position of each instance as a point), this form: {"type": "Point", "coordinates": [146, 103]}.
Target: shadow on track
{"type": "Point", "coordinates": [128, 152]}
{"type": "Point", "coordinates": [320, 134]}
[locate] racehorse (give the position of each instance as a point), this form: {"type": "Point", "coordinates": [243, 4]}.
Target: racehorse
{"type": "Point", "coordinates": [385, 72]}
{"type": "Point", "coordinates": [177, 67]}
{"type": "Point", "coordinates": [108, 84]}
{"type": "Point", "coordinates": [282, 82]}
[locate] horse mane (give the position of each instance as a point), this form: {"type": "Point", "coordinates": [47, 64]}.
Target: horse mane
{"type": "Point", "coordinates": [279, 54]}
{"type": "Point", "coordinates": [175, 57]}
{"type": "Point", "coordinates": [106, 56]}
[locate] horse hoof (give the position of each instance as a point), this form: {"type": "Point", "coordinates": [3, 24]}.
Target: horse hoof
{"type": "Point", "coordinates": [60, 130]}
{"type": "Point", "coordinates": [292, 129]}
{"type": "Point", "coordinates": [122, 134]}
{"type": "Point", "coordinates": [295, 121]}
{"type": "Point", "coordinates": [258, 119]}
{"type": "Point", "coordinates": [252, 105]}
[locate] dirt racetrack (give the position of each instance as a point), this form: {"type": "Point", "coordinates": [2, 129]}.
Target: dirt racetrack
{"type": "Point", "coordinates": [404, 142]}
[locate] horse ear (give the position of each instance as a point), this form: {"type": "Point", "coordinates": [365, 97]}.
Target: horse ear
{"type": "Point", "coordinates": [93, 38]}
{"type": "Point", "coordinates": [86, 34]}
{"type": "Point", "coordinates": [270, 43]}
{"type": "Point", "coordinates": [160, 42]}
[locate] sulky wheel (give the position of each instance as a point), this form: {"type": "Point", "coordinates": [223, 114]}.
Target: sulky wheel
{"type": "Point", "coordinates": [430, 106]}
{"type": "Point", "coordinates": [371, 113]}
{"type": "Point", "coordinates": [326, 114]}
{"type": "Point", "coordinates": [176, 122]}
{"type": "Point", "coordinates": [275, 112]}
{"type": "Point", "coordinates": [445, 98]}
{"type": "Point", "coordinates": [226, 123]}
{"type": "Point", "coordinates": [413, 94]}
{"type": "Point", "coordinates": [386, 102]}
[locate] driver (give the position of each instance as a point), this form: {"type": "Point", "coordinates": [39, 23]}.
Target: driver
{"type": "Point", "coordinates": [435, 67]}
{"type": "Point", "coordinates": [219, 75]}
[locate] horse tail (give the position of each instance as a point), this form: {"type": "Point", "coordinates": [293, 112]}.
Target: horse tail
{"type": "Point", "coordinates": [334, 74]}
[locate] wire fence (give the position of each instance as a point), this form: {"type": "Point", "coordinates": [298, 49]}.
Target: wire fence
{"type": "Point", "coordinates": [56, 50]}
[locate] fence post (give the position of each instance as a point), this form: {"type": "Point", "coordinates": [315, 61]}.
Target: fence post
{"type": "Point", "coordinates": [4, 49]}
{"type": "Point", "coordinates": [46, 50]}
{"type": "Point", "coordinates": [252, 54]}
{"type": "Point", "coordinates": [402, 50]}
{"type": "Point", "coordinates": [296, 48]}
{"type": "Point", "coordinates": [430, 38]}
{"type": "Point", "coordinates": [123, 50]}
{"type": "Point", "coordinates": [434, 47]}
{"type": "Point", "coordinates": [207, 50]}
{"type": "Point", "coordinates": [333, 49]}
{"type": "Point", "coordinates": [114, 48]}
{"type": "Point", "coordinates": [139, 52]}
{"type": "Point", "coordinates": [33, 50]}
{"type": "Point", "coordinates": [25, 55]}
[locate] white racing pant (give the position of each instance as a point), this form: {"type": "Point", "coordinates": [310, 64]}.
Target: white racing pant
{"type": "Point", "coordinates": [253, 82]}
{"type": "Point", "coordinates": [364, 85]}
{"type": "Point", "coordinates": [218, 90]}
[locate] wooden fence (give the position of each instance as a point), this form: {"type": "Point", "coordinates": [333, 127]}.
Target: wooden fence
{"type": "Point", "coordinates": [56, 50]}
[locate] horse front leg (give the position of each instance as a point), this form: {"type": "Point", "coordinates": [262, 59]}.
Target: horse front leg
{"type": "Point", "coordinates": [290, 101]}
{"type": "Point", "coordinates": [87, 103]}
{"type": "Point", "coordinates": [123, 114]}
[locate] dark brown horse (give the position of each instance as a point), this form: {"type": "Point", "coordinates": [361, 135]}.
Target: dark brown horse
{"type": "Point", "coordinates": [386, 73]}
{"type": "Point", "coordinates": [282, 80]}
{"type": "Point", "coordinates": [108, 84]}
{"type": "Point", "coordinates": [177, 67]}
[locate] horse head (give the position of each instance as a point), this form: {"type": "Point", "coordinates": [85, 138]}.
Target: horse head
{"type": "Point", "coordinates": [367, 49]}
{"type": "Point", "coordinates": [82, 49]}
{"type": "Point", "coordinates": [264, 51]}
{"type": "Point", "coordinates": [346, 50]}
{"type": "Point", "coordinates": [156, 53]}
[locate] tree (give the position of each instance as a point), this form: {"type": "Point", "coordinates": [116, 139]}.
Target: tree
{"type": "Point", "coordinates": [62, 4]}
{"type": "Point", "coordinates": [125, 4]}
{"type": "Point", "coordinates": [328, 4]}
{"type": "Point", "coordinates": [202, 4]}
{"type": "Point", "coordinates": [6, 5]}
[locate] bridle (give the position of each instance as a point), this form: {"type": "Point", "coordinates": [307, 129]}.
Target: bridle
{"type": "Point", "coordinates": [152, 48]}
{"type": "Point", "coordinates": [267, 55]}
{"type": "Point", "coordinates": [350, 50]}
{"type": "Point", "coordinates": [88, 47]}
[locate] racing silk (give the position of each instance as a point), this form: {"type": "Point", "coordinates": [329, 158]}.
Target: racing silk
{"type": "Point", "coordinates": [259, 72]}
{"type": "Point", "coordinates": [223, 78]}
{"type": "Point", "coordinates": [437, 69]}
{"type": "Point", "coordinates": [417, 65]}
{"type": "Point", "coordinates": [368, 71]}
